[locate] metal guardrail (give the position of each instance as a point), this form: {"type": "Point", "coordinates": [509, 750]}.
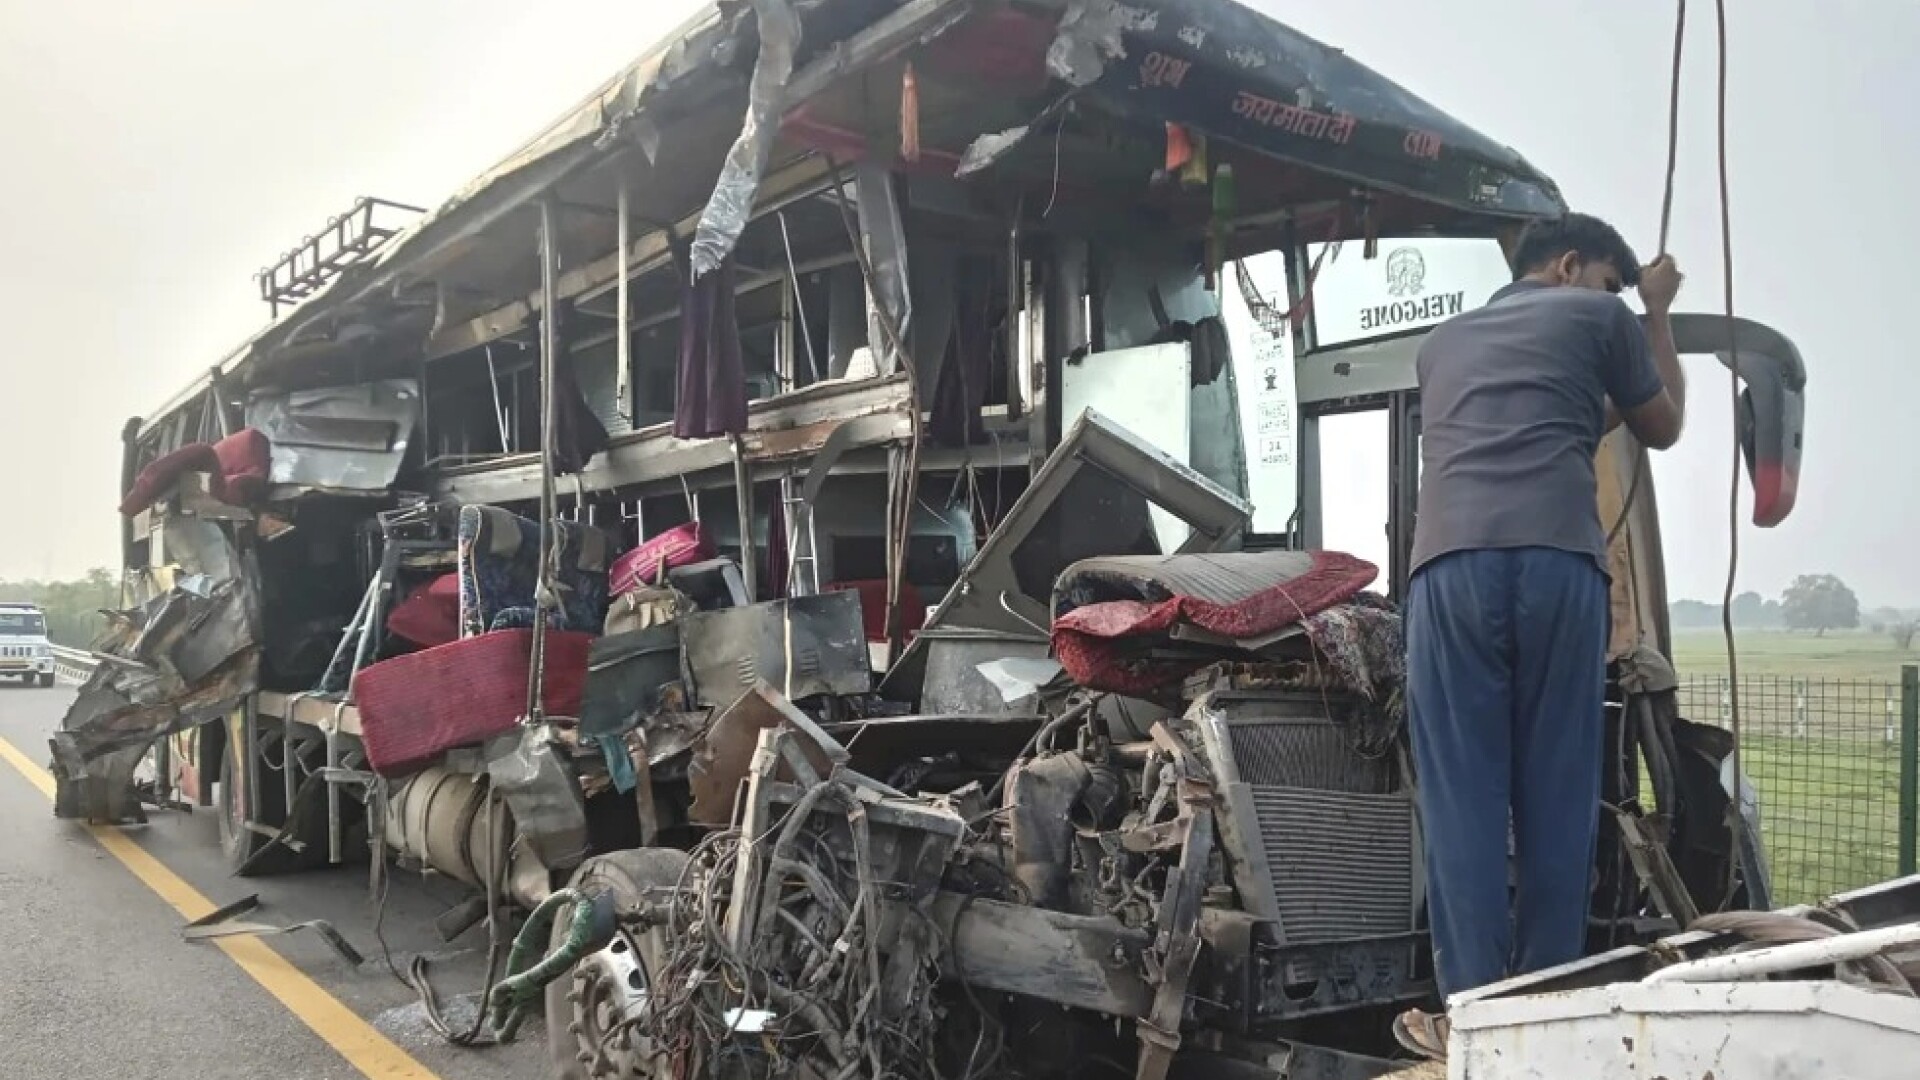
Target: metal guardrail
{"type": "Point", "coordinates": [73, 665]}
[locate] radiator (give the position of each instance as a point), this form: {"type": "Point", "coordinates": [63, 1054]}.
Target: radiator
{"type": "Point", "coordinates": [1333, 844]}
{"type": "Point", "coordinates": [1295, 752]}
{"type": "Point", "coordinates": [1342, 864]}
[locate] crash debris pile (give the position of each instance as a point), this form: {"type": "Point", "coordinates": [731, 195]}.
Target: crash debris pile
{"type": "Point", "coordinates": [188, 650]}
{"type": "Point", "coordinates": [817, 934]}
{"type": "Point", "coordinates": [192, 644]}
{"type": "Point", "coordinates": [1207, 812]}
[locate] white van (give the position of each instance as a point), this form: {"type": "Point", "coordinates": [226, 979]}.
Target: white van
{"type": "Point", "coordinates": [25, 651]}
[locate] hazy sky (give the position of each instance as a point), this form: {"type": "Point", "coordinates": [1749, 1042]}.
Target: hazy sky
{"type": "Point", "coordinates": [158, 154]}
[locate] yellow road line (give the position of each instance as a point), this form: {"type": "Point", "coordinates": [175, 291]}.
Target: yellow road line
{"type": "Point", "coordinates": [353, 1038]}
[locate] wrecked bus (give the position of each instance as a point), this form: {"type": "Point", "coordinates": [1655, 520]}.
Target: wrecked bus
{"type": "Point", "coordinates": [835, 532]}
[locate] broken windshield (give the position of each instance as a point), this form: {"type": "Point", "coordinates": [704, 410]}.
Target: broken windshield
{"type": "Point", "coordinates": [1098, 494]}
{"type": "Point", "coordinates": [1096, 515]}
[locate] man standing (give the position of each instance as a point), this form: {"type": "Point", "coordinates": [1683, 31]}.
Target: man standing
{"type": "Point", "coordinates": [1507, 616]}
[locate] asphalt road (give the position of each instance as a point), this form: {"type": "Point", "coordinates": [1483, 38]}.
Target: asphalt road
{"type": "Point", "coordinates": [97, 981]}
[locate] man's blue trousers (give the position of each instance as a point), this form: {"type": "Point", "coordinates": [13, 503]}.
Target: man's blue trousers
{"type": "Point", "coordinates": [1506, 677]}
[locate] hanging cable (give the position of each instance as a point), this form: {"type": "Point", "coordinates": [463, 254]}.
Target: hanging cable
{"type": "Point", "coordinates": [1736, 817]}
{"type": "Point", "coordinates": [545, 595]}
{"type": "Point", "coordinates": [1666, 226]}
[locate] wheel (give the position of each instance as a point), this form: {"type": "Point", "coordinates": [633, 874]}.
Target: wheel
{"type": "Point", "coordinates": [240, 844]}
{"type": "Point", "coordinates": [586, 1004]}
{"type": "Point", "coordinates": [46, 679]}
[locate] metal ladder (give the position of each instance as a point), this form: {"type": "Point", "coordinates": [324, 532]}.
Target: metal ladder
{"type": "Point", "coordinates": [799, 522]}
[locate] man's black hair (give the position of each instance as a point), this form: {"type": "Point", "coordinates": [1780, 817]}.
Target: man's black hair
{"type": "Point", "coordinates": [1584, 235]}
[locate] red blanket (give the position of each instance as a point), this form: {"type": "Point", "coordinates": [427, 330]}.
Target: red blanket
{"type": "Point", "coordinates": [236, 469]}
{"type": "Point", "coordinates": [1098, 644]}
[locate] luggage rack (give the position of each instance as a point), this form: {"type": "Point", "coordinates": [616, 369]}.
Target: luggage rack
{"type": "Point", "coordinates": [347, 239]}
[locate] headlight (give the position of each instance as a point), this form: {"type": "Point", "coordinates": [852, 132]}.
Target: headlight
{"type": "Point", "coordinates": [45, 651]}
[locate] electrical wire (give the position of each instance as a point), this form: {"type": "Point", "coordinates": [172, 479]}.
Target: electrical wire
{"type": "Point", "coordinates": [1666, 224]}
{"type": "Point", "coordinates": [1736, 819]}
{"type": "Point", "coordinates": [1059, 130]}
{"type": "Point", "coordinates": [500, 841]}
{"type": "Point", "coordinates": [1736, 816]}
{"type": "Point", "coordinates": [807, 946]}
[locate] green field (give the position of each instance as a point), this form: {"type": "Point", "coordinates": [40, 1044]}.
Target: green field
{"type": "Point", "coordinates": [1853, 654]}
{"type": "Point", "coordinates": [1821, 737]}
{"type": "Point", "coordinates": [1829, 810]}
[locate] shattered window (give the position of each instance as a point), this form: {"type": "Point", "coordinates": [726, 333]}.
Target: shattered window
{"type": "Point", "coordinates": [1356, 487]}
{"type": "Point", "coordinates": [22, 622]}
{"type": "Point", "coordinates": [1097, 514]}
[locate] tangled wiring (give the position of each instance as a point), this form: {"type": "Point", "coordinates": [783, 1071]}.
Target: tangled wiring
{"type": "Point", "coordinates": [775, 953]}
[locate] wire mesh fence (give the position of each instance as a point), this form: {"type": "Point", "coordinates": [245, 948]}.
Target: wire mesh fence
{"type": "Point", "coordinates": [1826, 756]}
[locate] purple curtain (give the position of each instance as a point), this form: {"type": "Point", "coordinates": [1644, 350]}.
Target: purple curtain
{"type": "Point", "coordinates": [776, 546]}
{"type": "Point", "coordinates": [580, 434]}
{"type": "Point", "coordinates": [961, 388]}
{"type": "Point", "coordinates": [712, 398]}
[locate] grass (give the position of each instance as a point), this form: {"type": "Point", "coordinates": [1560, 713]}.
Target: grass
{"type": "Point", "coordinates": [1821, 740]}
{"type": "Point", "coordinates": [1852, 654]}
{"type": "Point", "coordinates": [1829, 812]}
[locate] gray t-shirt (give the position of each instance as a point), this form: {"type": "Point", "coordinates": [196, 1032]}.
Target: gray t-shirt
{"type": "Point", "coordinates": [1513, 403]}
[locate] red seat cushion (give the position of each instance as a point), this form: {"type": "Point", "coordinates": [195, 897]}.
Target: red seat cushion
{"type": "Point", "coordinates": [430, 615]}
{"type": "Point", "coordinates": [416, 707]}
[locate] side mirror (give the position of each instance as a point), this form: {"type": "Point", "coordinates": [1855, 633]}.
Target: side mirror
{"type": "Point", "coordinates": [1771, 419]}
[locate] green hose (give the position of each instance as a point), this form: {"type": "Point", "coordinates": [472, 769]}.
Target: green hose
{"type": "Point", "coordinates": [591, 929]}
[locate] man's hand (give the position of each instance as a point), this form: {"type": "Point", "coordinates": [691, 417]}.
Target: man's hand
{"type": "Point", "coordinates": [1659, 284]}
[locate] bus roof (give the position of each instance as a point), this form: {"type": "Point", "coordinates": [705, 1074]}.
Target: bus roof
{"type": "Point", "coordinates": [1214, 65]}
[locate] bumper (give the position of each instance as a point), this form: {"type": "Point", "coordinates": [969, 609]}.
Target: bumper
{"type": "Point", "coordinates": [36, 666]}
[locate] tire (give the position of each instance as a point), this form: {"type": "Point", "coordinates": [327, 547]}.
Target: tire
{"type": "Point", "coordinates": [572, 1026]}
{"type": "Point", "coordinates": [240, 844]}
{"type": "Point", "coordinates": [46, 680]}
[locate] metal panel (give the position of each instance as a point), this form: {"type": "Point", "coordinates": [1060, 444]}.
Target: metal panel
{"type": "Point", "coordinates": [1380, 367]}
{"type": "Point", "coordinates": [954, 683]}
{"type": "Point", "coordinates": [625, 673]}
{"type": "Point", "coordinates": [352, 437]}
{"type": "Point", "coordinates": [791, 426]}
{"type": "Point", "coordinates": [1377, 367]}
{"type": "Point", "coordinates": [805, 646]}
{"type": "Point", "coordinates": [598, 372]}
{"type": "Point", "coordinates": [1794, 1030]}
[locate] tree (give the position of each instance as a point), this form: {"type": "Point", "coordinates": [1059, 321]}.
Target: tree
{"type": "Point", "coordinates": [1820, 602]}
{"type": "Point", "coordinates": [1903, 632]}
{"type": "Point", "coordinates": [72, 607]}
{"type": "Point", "coordinates": [1751, 610]}
{"type": "Point", "coordinates": [1693, 615]}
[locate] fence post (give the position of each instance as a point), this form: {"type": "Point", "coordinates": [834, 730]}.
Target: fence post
{"type": "Point", "coordinates": [1909, 767]}
{"type": "Point", "coordinates": [1800, 708]}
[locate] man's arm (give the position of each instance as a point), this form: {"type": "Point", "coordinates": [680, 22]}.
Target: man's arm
{"type": "Point", "coordinates": [1657, 420]}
